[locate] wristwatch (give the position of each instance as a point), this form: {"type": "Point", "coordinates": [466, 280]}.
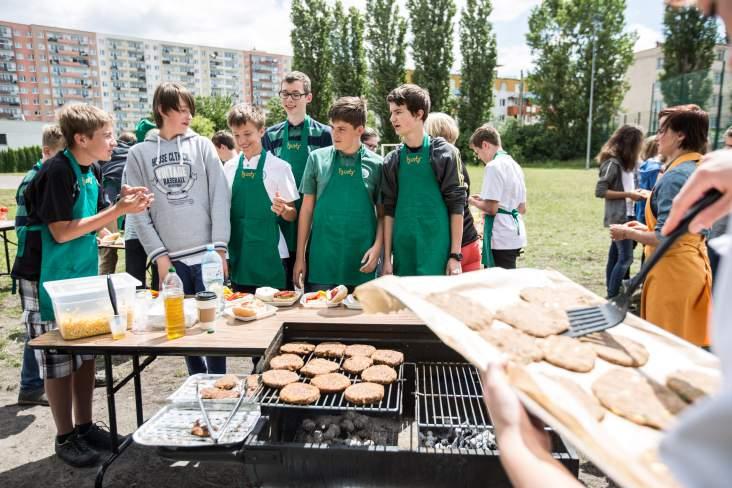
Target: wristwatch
{"type": "Point", "coordinates": [457, 256]}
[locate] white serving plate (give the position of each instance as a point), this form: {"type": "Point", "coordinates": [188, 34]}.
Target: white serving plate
{"type": "Point", "coordinates": [288, 303]}
{"type": "Point", "coordinates": [266, 311]}
{"type": "Point", "coordinates": [352, 303]}
{"type": "Point", "coordinates": [318, 304]}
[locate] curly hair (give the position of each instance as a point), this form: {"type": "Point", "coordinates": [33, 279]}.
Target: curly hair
{"type": "Point", "coordinates": [624, 145]}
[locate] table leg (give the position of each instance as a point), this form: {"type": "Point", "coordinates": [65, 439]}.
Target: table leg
{"type": "Point", "coordinates": [112, 422]}
{"type": "Point", "coordinates": [7, 251]}
{"type": "Point", "coordinates": [138, 389]}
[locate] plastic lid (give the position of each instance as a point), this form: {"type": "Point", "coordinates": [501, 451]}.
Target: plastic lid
{"type": "Point", "coordinates": [209, 247]}
{"type": "Point", "coordinates": [204, 296]}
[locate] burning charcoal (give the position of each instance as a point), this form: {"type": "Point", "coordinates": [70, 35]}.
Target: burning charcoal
{"type": "Point", "coordinates": [347, 425]}
{"type": "Point", "coordinates": [332, 432]}
{"type": "Point", "coordinates": [308, 425]}
{"type": "Point", "coordinates": [430, 433]}
{"type": "Point", "coordinates": [318, 436]}
{"type": "Point", "coordinates": [362, 434]}
{"type": "Point", "coordinates": [445, 442]}
{"type": "Point", "coordinates": [429, 443]}
{"type": "Point", "coordinates": [350, 415]}
{"type": "Point", "coordinates": [361, 421]}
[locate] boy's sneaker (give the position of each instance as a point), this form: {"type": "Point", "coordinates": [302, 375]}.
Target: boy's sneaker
{"type": "Point", "coordinates": [97, 436]}
{"type": "Point", "coordinates": [33, 397]}
{"type": "Point", "coordinates": [75, 452]}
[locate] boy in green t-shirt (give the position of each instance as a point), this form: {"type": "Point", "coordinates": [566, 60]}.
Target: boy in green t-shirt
{"type": "Point", "coordinates": [341, 213]}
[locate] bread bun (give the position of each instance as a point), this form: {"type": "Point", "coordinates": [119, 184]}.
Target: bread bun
{"type": "Point", "coordinates": [337, 294]}
{"type": "Point", "coordinates": [265, 293]}
{"type": "Point", "coordinates": [242, 311]}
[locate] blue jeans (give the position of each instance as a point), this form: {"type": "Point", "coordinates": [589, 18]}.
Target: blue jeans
{"type": "Point", "coordinates": [619, 259]}
{"type": "Point", "coordinates": [192, 284]}
{"type": "Point", "coordinates": [30, 379]}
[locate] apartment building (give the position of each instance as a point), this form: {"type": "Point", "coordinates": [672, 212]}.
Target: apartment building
{"type": "Point", "coordinates": [42, 68]}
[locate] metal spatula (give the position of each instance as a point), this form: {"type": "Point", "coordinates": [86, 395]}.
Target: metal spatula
{"type": "Point", "coordinates": [583, 321]}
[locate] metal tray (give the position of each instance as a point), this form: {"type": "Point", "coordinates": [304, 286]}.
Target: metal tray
{"type": "Point", "coordinates": [186, 393]}
{"type": "Point", "coordinates": [171, 426]}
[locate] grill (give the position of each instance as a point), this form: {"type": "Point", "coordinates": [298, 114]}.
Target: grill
{"type": "Point", "coordinates": [437, 394]}
{"type": "Point", "coordinates": [391, 403]}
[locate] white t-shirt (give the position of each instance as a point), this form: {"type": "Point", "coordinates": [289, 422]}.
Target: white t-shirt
{"type": "Point", "coordinates": [277, 176]}
{"type": "Point", "coordinates": [503, 181]}
{"type": "Point", "coordinates": [628, 186]}
{"type": "Point", "coordinates": [699, 449]}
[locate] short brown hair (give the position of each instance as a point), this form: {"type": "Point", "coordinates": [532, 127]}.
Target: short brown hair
{"type": "Point", "coordinates": [414, 97]}
{"type": "Point", "coordinates": [243, 113]}
{"type": "Point", "coordinates": [81, 118]}
{"type": "Point", "coordinates": [294, 76]}
{"type": "Point", "coordinates": [167, 97]}
{"type": "Point", "coordinates": [223, 138]}
{"type": "Point", "coordinates": [351, 110]}
{"type": "Point", "coordinates": [440, 124]}
{"type": "Point", "coordinates": [127, 137]}
{"type": "Point", "coordinates": [650, 148]}
{"type": "Point", "coordinates": [53, 137]}
{"type": "Point", "coordinates": [690, 121]}
{"type": "Point", "coordinates": [485, 133]}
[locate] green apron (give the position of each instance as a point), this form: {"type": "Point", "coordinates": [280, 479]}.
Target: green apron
{"type": "Point", "coordinates": [421, 241]}
{"type": "Point", "coordinates": [488, 222]}
{"type": "Point", "coordinates": [295, 153]}
{"type": "Point", "coordinates": [344, 227]}
{"type": "Point", "coordinates": [76, 258]}
{"type": "Point", "coordinates": [255, 235]}
{"type": "Point", "coordinates": [21, 231]}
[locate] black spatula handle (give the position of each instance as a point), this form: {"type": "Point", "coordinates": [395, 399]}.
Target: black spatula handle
{"type": "Point", "coordinates": [705, 201]}
{"type": "Point", "coordinates": [112, 294]}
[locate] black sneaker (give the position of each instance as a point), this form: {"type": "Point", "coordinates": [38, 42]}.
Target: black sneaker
{"type": "Point", "coordinates": [76, 452]}
{"type": "Point", "coordinates": [98, 436]}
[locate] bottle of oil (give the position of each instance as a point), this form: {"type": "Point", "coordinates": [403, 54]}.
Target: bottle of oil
{"type": "Point", "coordinates": [175, 320]}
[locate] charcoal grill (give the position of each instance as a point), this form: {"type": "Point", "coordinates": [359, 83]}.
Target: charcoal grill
{"type": "Point", "coordinates": [437, 391]}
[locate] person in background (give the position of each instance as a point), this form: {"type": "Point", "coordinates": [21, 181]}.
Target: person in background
{"type": "Point", "coordinates": [111, 183]}
{"type": "Point", "coordinates": [225, 146]}
{"type": "Point", "coordinates": [440, 124]}
{"type": "Point", "coordinates": [680, 309]}
{"type": "Point", "coordinates": [502, 200]}
{"type": "Point", "coordinates": [135, 255]}
{"type": "Point", "coordinates": [647, 174]}
{"type": "Point", "coordinates": [26, 269]}
{"type": "Point", "coordinates": [616, 184]}
{"type": "Point", "coordinates": [719, 228]}
{"type": "Point", "coordinates": [371, 139]}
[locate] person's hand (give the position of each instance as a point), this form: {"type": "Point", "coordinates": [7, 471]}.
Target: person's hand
{"type": "Point", "coordinates": [298, 273]}
{"type": "Point", "coordinates": [637, 195]}
{"type": "Point", "coordinates": [134, 203]}
{"type": "Point", "coordinates": [370, 259]}
{"type": "Point", "coordinates": [715, 171]}
{"type": "Point", "coordinates": [634, 224]}
{"type": "Point", "coordinates": [126, 190]}
{"type": "Point", "coordinates": [224, 264]}
{"type": "Point", "coordinates": [453, 267]}
{"type": "Point", "coordinates": [511, 420]}
{"type": "Point", "coordinates": [163, 263]}
{"type": "Point", "coordinates": [474, 200]}
{"type": "Point", "coordinates": [618, 232]}
{"type": "Point", "coordinates": [645, 194]}
{"type": "Point", "coordinates": [278, 204]}
{"type": "Point", "coordinates": [387, 267]}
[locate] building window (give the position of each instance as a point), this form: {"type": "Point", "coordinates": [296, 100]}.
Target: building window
{"type": "Point", "coordinates": [659, 63]}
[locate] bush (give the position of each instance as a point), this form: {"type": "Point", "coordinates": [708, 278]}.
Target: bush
{"type": "Point", "coordinates": [19, 160]}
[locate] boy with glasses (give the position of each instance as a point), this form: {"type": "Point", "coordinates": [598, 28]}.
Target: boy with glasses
{"type": "Point", "coordinates": [293, 140]}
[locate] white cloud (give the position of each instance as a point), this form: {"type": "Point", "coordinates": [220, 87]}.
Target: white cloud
{"type": "Point", "coordinates": [507, 10]}
{"type": "Point", "coordinates": [647, 37]}
{"type": "Point", "coordinates": [513, 59]}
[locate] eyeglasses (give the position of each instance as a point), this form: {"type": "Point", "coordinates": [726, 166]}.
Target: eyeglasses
{"type": "Point", "coordinates": [294, 95]}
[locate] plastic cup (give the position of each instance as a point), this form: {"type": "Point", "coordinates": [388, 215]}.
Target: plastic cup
{"type": "Point", "coordinates": [142, 304]}
{"type": "Point", "coordinates": [207, 303]}
{"type": "Point", "coordinates": [118, 326]}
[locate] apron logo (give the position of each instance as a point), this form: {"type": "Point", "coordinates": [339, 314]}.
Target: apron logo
{"type": "Point", "coordinates": [88, 180]}
{"type": "Point", "coordinates": [346, 172]}
{"type": "Point", "coordinates": [247, 174]}
{"type": "Point", "coordinates": [414, 159]}
{"type": "Point", "coordinates": [293, 146]}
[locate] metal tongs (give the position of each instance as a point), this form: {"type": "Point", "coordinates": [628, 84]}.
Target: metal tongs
{"type": "Point", "coordinates": [216, 436]}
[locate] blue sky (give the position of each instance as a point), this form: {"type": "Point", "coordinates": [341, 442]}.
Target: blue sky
{"type": "Point", "coordinates": [265, 24]}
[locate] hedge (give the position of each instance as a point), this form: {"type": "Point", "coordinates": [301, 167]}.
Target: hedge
{"type": "Point", "coordinates": [19, 160]}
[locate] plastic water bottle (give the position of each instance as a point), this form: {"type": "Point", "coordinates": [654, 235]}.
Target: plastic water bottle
{"type": "Point", "coordinates": [173, 295]}
{"type": "Point", "coordinates": [212, 273]}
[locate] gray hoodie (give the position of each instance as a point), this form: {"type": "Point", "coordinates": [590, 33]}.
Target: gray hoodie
{"type": "Point", "coordinates": [192, 198]}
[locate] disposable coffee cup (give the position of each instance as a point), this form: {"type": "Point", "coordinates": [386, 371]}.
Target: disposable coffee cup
{"type": "Point", "coordinates": [207, 304]}
{"type": "Point", "coordinates": [118, 326]}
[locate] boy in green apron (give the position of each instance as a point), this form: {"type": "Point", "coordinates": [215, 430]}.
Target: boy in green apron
{"type": "Point", "coordinates": [262, 190]}
{"type": "Point", "coordinates": [341, 214]}
{"type": "Point", "coordinates": [423, 193]}
{"type": "Point", "coordinates": [502, 200]}
{"type": "Point", "coordinates": [293, 140]}
{"type": "Point", "coordinates": [26, 269]}
{"type": "Point", "coordinates": [66, 202]}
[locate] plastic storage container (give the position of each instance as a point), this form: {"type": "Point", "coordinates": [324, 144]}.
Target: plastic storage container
{"type": "Point", "coordinates": [82, 306]}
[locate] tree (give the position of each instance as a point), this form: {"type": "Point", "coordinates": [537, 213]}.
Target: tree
{"type": "Point", "coordinates": [562, 35]}
{"type": "Point", "coordinates": [386, 31]}
{"type": "Point", "coordinates": [432, 28]}
{"type": "Point", "coordinates": [275, 112]}
{"type": "Point", "coordinates": [310, 38]}
{"type": "Point", "coordinates": [349, 56]}
{"type": "Point", "coordinates": [203, 126]}
{"type": "Point", "coordinates": [688, 54]}
{"type": "Point", "coordinates": [478, 49]}
{"type": "Point", "coordinates": [215, 108]}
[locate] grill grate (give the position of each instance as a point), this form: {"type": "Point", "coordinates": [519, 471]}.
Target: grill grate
{"type": "Point", "coordinates": [449, 395]}
{"type": "Point", "coordinates": [391, 403]}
